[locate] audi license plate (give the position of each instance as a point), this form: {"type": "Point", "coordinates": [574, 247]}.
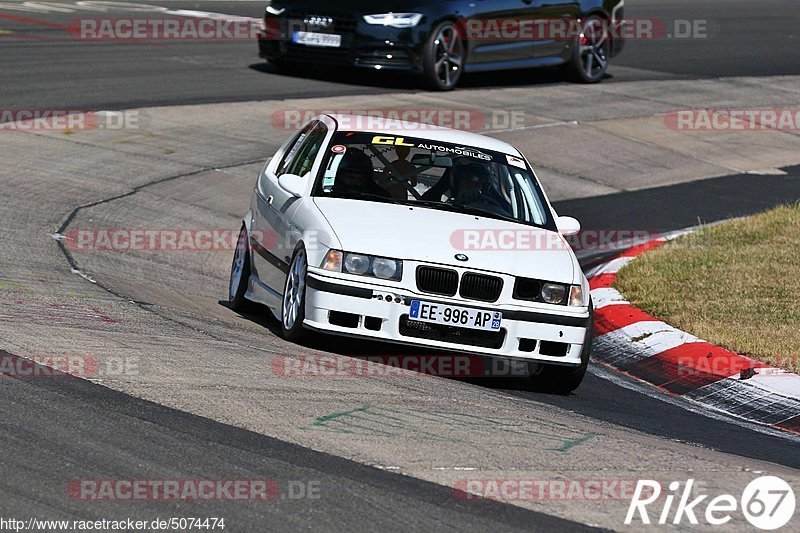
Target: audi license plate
{"type": "Point", "coordinates": [310, 38]}
{"type": "Point", "coordinates": [453, 315]}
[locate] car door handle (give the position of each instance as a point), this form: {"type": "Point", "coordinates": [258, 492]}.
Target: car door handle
{"type": "Point", "coordinates": [269, 199]}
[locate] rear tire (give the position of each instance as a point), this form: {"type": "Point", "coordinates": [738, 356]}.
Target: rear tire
{"type": "Point", "coordinates": [563, 379]}
{"type": "Point", "coordinates": [591, 52]}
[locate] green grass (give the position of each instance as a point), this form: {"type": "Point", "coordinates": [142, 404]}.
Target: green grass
{"type": "Point", "coordinates": [736, 285]}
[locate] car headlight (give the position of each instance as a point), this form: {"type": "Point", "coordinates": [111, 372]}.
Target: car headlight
{"type": "Point", "coordinates": [577, 298]}
{"type": "Point", "coordinates": [395, 20]}
{"type": "Point", "coordinates": [385, 268]}
{"type": "Point", "coordinates": [363, 265]}
{"type": "Point", "coordinates": [356, 264]}
{"type": "Point", "coordinates": [553, 293]}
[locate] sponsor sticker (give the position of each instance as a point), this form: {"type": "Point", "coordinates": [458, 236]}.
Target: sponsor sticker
{"type": "Point", "coordinates": [515, 161]}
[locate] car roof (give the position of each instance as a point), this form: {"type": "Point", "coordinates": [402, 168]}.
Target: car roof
{"type": "Point", "coordinates": [402, 128]}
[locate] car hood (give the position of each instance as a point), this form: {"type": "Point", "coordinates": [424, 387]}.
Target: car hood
{"type": "Point", "coordinates": [430, 235]}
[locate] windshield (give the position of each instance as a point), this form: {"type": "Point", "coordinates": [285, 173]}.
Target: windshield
{"type": "Point", "coordinates": [434, 175]}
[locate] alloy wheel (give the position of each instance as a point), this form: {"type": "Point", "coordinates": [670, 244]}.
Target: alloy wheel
{"type": "Point", "coordinates": [237, 267]}
{"type": "Point", "coordinates": [448, 55]}
{"type": "Point", "coordinates": [294, 291]}
{"type": "Point", "coordinates": [594, 49]}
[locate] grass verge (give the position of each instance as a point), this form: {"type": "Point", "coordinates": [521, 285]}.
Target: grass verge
{"type": "Point", "coordinates": [736, 285]}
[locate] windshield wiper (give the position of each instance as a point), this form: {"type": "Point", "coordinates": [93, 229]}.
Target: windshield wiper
{"type": "Point", "coordinates": [366, 196]}
{"type": "Point", "coordinates": [481, 212]}
{"type": "Point", "coordinates": [466, 210]}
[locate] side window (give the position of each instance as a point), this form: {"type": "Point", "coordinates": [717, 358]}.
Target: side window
{"type": "Point", "coordinates": [299, 158]}
{"type": "Point", "coordinates": [530, 198]}
{"type": "Point", "coordinates": [303, 160]}
{"type": "Point", "coordinates": [292, 150]}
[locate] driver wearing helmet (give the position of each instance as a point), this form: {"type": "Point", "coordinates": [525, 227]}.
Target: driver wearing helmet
{"type": "Point", "coordinates": [356, 175]}
{"type": "Point", "coordinates": [470, 184]}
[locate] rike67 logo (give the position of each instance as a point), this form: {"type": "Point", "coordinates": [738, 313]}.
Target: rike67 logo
{"type": "Point", "coordinates": [767, 502]}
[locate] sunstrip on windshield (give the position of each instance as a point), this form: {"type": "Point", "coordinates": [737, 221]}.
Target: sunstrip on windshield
{"type": "Point", "coordinates": [394, 141]}
{"type": "Point", "coordinates": [468, 152]}
{"type": "Point", "coordinates": [422, 144]}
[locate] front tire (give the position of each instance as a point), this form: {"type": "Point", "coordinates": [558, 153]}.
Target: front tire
{"type": "Point", "coordinates": [293, 309]}
{"type": "Point", "coordinates": [443, 57]}
{"type": "Point", "coordinates": [240, 273]}
{"type": "Point", "coordinates": [563, 379]}
{"type": "Point", "coordinates": [591, 52]}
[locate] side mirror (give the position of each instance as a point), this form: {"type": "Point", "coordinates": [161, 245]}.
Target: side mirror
{"type": "Point", "coordinates": [567, 226]}
{"type": "Point", "coordinates": [293, 184]}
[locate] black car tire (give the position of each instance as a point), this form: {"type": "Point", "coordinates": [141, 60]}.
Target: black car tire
{"type": "Point", "coordinates": [591, 51]}
{"type": "Point", "coordinates": [292, 317]}
{"type": "Point", "coordinates": [563, 379]}
{"type": "Point", "coordinates": [443, 57]}
{"type": "Point", "coordinates": [240, 273]}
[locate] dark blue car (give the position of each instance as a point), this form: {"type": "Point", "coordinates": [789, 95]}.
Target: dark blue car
{"type": "Point", "coordinates": [441, 40]}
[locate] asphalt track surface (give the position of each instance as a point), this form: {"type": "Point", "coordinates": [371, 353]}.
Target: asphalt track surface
{"type": "Point", "coordinates": [59, 429]}
{"type": "Point", "coordinates": [46, 447]}
{"type": "Point", "coordinates": [44, 444]}
{"type": "Point", "coordinates": [44, 68]}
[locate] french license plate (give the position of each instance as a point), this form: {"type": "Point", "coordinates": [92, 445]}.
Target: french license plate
{"type": "Point", "coordinates": [310, 38]}
{"type": "Point", "coordinates": [453, 315]}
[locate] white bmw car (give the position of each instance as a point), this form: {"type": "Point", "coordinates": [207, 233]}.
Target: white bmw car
{"type": "Point", "coordinates": [418, 235]}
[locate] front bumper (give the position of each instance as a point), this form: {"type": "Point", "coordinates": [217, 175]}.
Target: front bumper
{"type": "Point", "coordinates": [362, 310]}
{"type": "Point", "coordinates": [363, 45]}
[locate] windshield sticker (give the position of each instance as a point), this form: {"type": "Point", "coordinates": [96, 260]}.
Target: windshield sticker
{"type": "Point", "coordinates": [516, 161]}
{"type": "Point", "coordinates": [338, 149]}
{"type": "Point", "coordinates": [468, 152]}
{"type": "Point", "coordinates": [395, 141]}
{"type": "Point", "coordinates": [329, 178]}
